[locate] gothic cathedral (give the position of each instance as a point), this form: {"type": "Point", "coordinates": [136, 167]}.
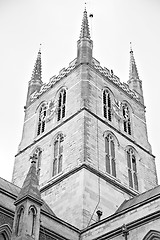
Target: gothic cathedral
{"type": "Point", "coordinates": [84, 167]}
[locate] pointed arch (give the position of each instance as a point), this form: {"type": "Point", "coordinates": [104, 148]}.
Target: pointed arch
{"type": "Point", "coordinates": [132, 167]}
{"type": "Point", "coordinates": [5, 232]}
{"type": "Point", "coordinates": [61, 103]}
{"type": "Point", "coordinates": [126, 113]}
{"type": "Point", "coordinates": [152, 235]}
{"type": "Point", "coordinates": [19, 220]}
{"type": "Point", "coordinates": [110, 160]}
{"type": "Point", "coordinates": [107, 104]}
{"type": "Point", "coordinates": [57, 154]}
{"type": "Point", "coordinates": [42, 114]}
{"type": "Point", "coordinates": [32, 212]}
{"type": "Point", "coordinates": [113, 135]}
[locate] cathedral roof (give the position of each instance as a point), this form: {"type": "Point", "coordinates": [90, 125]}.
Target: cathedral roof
{"type": "Point", "coordinates": [140, 199]}
{"type": "Point", "coordinates": [12, 191]}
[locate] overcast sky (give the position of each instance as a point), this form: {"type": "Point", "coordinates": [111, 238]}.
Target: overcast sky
{"type": "Point", "coordinates": [24, 24]}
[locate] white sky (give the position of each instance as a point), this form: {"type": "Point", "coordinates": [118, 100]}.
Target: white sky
{"type": "Point", "coordinates": [24, 24]}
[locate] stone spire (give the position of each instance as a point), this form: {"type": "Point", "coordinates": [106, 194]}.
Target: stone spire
{"type": "Point", "coordinates": [37, 71]}
{"type": "Point", "coordinates": [85, 33]}
{"type": "Point", "coordinates": [134, 82]}
{"type": "Point", "coordinates": [30, 188]}
{"type": "Point", "coordinates": [26, 225]}
{"type": "Point", "coordinates": [36, 80]}
{"type": "Point", "coordinates": [133, 73]}
{"type": "Point", "coordinates": [84, 44]}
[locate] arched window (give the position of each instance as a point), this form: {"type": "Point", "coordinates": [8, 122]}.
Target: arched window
{"type": "Point", "coordinates": [152, 235]}
{"type": "Point", "coordinates": [2, 236]}
{"type": "Point", "coordinates": [31, 221]}
{"type": "Point", "coordinates": [38, 153]}
{"type": "Point", "coordinates": [5, 232]}
{"type": "Point", "coordinates": [61, 104]}
{"type": "Point", "coordinates": [107, 105]}
{"type": "Point", "coordinates": [110, 155]}
{"type": "Point", "coordinates": [132, 169]}
{"type": "Point", "coordinates": [19, 222]}
{"type": "Point", "coordinates": [126, 119]}
{"type": "Point", "coordinates": [58, 155]}
{"type": "Point", "coordinates": [42, 119]}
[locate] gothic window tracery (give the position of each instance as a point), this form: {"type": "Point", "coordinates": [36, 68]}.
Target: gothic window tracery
{"type": "Point", "coordinates": [126, 119]}
{"type": "Point", "coordinates": [107, 105]}
{"type": "Point", "coordinates": [42, 119]}
{"type": "Point", "coordinates": [110, 155]}
{"type": "Point", "coordinates": [132, 169]}
{"type": "Point", "coordinates": [61, 104]}
{"type": "Point", "coordinates": [58, 154]}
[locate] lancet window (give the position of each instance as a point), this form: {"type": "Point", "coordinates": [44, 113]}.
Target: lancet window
{"type": "Point", "coordinates": [110, 155]}
{"type": "Point", "coordinates": [132, 169]}
{"type": "Point", "coordinates": [107, 105]}
{"type": "Point", "coordinates": [19, 223]}
{"type": "Point", "coordinates": [126, 119]}
{"type": "Point", "coordinates": [58, 154]}
{"type": "Point", "coordinates": [31, 220]}
{"type": "Point", "coordinates": [42, 119]}
{"type": "Point", "coordinates": [61, 104]}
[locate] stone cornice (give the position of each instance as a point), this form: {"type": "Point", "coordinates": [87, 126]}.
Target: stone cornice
{"type": "Point", "coordinates": [118, 231]}
{"type": "Point", "coordinates": [6, 211]}
{"type": "Point", "coordinates": [52, 235]}
{"type": "Point", "coordinates": [28, 197]}
{"type": "Point", "coordinates": [60, 221]}
{"type": "Point", "coordinates": [71, 117]}
{"type": "Point", "coordinates": [104, 176]}
{"type": "Point", "coordinates": [104, 72]}
{"type": "Point", "coordinates": [11, 195]}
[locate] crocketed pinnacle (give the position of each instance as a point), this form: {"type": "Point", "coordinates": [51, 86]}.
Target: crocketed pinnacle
{"type": "Point", "coordinates": [85, 33]}
{"type": "Point", "coordinates": [133, 72]}
{"type": "Point", "coordinates": [30, 188]}
{"type": "Point", "coordinates": [37, 71]}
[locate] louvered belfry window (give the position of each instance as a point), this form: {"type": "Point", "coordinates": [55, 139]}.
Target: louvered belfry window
{"type": "Point", "coordinates": [132, 169]}
{"type": "Point", "coordinates": [61, 104]}
{"type": "Point", "coordinates": [126, 119]}
{"type": "Point", "coordinates": [110, 155]}
{"type": "Point", "coordinates": [42, 119]}
{"type": "Point", "coordinates": [107, 105]}
{"type": "Point", "coordinates": [58, 155]}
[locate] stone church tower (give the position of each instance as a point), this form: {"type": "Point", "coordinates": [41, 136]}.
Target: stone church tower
{"type": "Point", "coordinates": [88, 131]}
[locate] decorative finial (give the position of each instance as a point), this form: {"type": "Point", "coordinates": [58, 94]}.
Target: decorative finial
{"type": "Point", "coordinates": [131, 47]}
{"type": "Point", "coordinates": [40, 48]}
{"type": "Point", "coordinates": [33, 158]}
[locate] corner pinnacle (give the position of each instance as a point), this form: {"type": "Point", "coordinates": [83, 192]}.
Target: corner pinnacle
{"type": "Point", "coordinates": [85, 33]}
